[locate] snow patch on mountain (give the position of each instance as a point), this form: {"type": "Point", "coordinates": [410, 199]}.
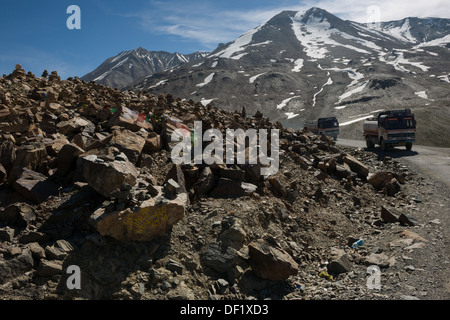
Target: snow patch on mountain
{"type": "Point", "coordinates": [158, 84]}
{"type": "Point", "coordinates": [353, 91]}
{"type": "Point", "coordinates": [298, 65]}
{"type": "Point", "coordinates": [207, 80]}
{"type": "Point", "coordinates": [441, 42]}
{"type": "Point", "coordinates": [445, 78]}
{"type": "Point", "coordinates": [329, 82]}
{"type": "Point", "coordinates": [402, 33]}
{"type": "Point", "coordinates": [252, 79]}
{"type": "Point", "coordinates": [291, 115]}
{"type": "Point", "coordinates": [234, 50]}
{"type": "Point", "coordinates": [285, 102]}
{"type": "Point", "coordinates": [396, 59]}
{"type": "Point", "coordinates": [317, 33]}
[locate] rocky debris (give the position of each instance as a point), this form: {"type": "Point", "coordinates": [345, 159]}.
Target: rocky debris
{"type": "Point", "coordinates": [88, 180]}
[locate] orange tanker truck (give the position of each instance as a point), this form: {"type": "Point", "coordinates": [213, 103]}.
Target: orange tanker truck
{"type": "Point", "coordinates": [390, 128]}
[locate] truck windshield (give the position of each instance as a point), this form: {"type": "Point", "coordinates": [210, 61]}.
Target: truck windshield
{"type": "Point", "coordinates": [395, 123]}
{"type": "Point", "coordinates": [328, 124]}
{"type": "Point", "coordinates": [392, 123]}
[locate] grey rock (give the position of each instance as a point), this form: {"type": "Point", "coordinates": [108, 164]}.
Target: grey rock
{"type": "Point", "coordinates": [219, 258]}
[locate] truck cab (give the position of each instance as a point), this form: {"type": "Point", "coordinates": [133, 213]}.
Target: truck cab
{"type": "Point", "coordinates": [327, 126]}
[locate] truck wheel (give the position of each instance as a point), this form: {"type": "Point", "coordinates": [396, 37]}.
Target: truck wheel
{"type": "Point", "coordinates": [409, 146]}
{"type": "Point", "coordinates": [369, 143]}
{"type": "Point", "coordinates": [383, 145]}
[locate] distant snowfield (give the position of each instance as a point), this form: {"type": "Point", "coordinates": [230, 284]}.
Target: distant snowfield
{"type": "Point", "coordinates": [207, 80]}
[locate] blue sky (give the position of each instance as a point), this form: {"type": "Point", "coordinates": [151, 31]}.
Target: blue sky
{"type": "Point", "coordinates": [34, 33]}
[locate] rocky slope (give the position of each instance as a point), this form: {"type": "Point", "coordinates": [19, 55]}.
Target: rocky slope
{"type": "Point", "coordinates": [303, 65]}
{"type": "Point", "coordinates": [87, 182]}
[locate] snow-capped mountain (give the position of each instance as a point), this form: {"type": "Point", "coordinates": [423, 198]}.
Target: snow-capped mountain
{"type": "Point", "coordinates": [129, 66]}
{"type": "Point", "coordinates": [302, 65]}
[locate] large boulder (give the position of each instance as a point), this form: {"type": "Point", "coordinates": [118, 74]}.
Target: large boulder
{"type": "Point", "coordinates": [152, 219]}
{"type": "Point", "coordinates": [110, 177]}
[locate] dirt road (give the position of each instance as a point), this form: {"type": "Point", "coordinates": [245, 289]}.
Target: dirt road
{"type": "Point", "coordinates": [432, 161]}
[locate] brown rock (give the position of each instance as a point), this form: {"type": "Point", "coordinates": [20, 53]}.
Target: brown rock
{"type": "Point", "coordinates": [278, 186]}
{"type": "Point", "coordinates": [67, 159]}
{"type": "Point", "coordinates": [271, 263]}
{"type": "Point", "coordinates": [37, 251]}
{"type": "Point", "coordinates": [153, 144]}
{"type": "Point", "coordinates": [127, 118]}
{"type": "Point", "coordinates": [18, 214]}
{"type": "Point", "coordinates": [234, 174]}
{"type": "Point", "coordinates": [35, 186]}
{"type": "Point", "coordinates": [6, 234]}
{"type": "Point", "coordinates": [356, 166]}
{"type": "Point", "coordinates": [7, 154]}
{"type": "Point", "coordinates": [74, 126]}
{"type": "Point", "coordinates": [379, 179]}
{"type": "Point", "coordinates": [30, 156]}
{"type": "Point", "coordinates": [129, 143]}
{"type": "Point", "coordinates": [48, 268]}
{"type": "Point", "coordinates": [320, 175]}
{"type": "Point", "coordinates": [389, 215]}
{"type": "Point", "coordinates": [110, 178]}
